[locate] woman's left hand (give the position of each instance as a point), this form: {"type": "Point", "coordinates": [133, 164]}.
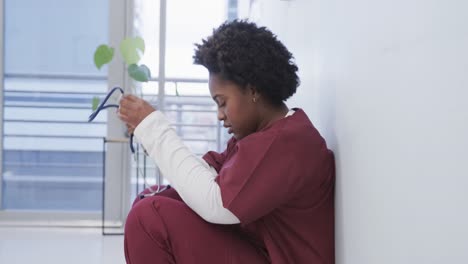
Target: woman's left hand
{"type": "Point", "coordinates": [132, 110]}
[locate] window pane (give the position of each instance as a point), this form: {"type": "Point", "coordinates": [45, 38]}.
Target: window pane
{"type": "Point", "coordinates": [146, 25]}
{"type": "Point", "coordinates": [52, 155]}
{"type": "Point", "coordinates": [187, 23]}
{"type": "Point", "coordinates": [186, 98]}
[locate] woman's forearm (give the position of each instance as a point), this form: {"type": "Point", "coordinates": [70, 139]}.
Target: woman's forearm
{"type": "Point", "coordinates": [191, 176]}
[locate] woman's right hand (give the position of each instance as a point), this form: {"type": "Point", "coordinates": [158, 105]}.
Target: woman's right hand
{"type": "Point", "coordinates": [132, 110]}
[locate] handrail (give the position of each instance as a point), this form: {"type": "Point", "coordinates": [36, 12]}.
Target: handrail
{"type": "Point", "coordinates": [61, 76]}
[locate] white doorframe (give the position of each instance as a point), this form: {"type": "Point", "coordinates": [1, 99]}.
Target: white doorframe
{"type": "Point", "coordinates": [117, 162]}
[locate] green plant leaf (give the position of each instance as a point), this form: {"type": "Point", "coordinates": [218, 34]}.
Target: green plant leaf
{"type": "Point", "coordinates": [132, 49]}
{"type": "Point", "coordinates": [103, 55]}
{"type": "Point", "coordinates": [95, 103]}
{"type": "Point", "coordinates": [139, 73]}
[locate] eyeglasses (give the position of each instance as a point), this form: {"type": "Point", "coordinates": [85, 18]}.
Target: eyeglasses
{"type": "Point", "coordinates": [103, 105]}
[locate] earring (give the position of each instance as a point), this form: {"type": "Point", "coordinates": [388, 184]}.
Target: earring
{"type": "Point", "coordinates": [254, 99]}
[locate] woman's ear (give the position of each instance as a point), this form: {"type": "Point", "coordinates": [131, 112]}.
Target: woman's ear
{"type": "Point", "coordinates": [253, 91]}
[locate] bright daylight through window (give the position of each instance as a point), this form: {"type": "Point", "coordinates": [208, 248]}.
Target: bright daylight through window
{"type": "Point", "coordinates": [52, 157]}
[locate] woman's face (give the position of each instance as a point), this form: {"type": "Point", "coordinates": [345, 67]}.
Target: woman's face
{"type": "Point", "coordinates": [236, 108]}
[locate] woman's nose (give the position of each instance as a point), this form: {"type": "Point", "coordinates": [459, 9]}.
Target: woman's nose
{"type": "Point", "coordinates": [221, 115]}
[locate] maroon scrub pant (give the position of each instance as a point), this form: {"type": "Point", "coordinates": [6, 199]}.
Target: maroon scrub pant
{"type": "Point", "coordinates": [163, 229]}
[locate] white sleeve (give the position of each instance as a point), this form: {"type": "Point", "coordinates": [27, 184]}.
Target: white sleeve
{"type": "Point", "coordinates": [191, 176]}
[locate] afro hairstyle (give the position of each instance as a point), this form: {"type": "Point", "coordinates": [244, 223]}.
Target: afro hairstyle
{"type": "Point", "coordinates": [250, 56]}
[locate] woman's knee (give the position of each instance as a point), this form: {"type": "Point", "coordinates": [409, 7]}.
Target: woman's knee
{"type": "Point", "coordinates": [144, 221]}
{"type": "Point", "coordinates": [146, 235]}
{"type": "Point", "coordinates": [158, 214]}
{"type": "Point", "coordinates": [147, 207]}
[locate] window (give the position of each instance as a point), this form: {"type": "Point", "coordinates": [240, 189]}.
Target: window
{"type": "Point", "coordinates": [52, 158]}
{"type": "Point", "coordinates": [179, 87]}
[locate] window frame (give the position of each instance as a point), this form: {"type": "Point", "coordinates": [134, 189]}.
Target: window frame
{"type": "Point", "coordinates": [117, 163]}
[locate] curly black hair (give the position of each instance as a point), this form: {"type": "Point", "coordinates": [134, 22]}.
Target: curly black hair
{"type": "Point", "coordinates": [242, 52]}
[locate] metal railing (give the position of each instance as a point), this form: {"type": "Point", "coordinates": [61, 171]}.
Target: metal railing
{"type": "Point", "coordinates": [41, 125]}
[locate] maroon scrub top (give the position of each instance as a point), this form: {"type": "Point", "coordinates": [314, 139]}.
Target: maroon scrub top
{"type": "Point", "coordinates": [280, 183]}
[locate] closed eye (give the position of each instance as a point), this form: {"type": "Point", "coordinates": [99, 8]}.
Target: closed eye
{"type": "Point", "coordinates": [220, 103]}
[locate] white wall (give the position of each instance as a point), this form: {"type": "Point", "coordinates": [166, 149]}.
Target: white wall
{"type": "Point", "coordinates": [386, 82]}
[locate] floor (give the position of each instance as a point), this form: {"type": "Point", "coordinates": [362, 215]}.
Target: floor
{"type": "Point", "coordinates": [59, 245]}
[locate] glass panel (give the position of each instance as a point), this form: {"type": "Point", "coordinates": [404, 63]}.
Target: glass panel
{"type": "Point", "coordinates": [52, 156]}
{"type": "Point", "coordinates": [187, 101]}
{"type": "Point", "coordinates": [146, 25]}
{"type": "Point", "coordinates": [187, 23]}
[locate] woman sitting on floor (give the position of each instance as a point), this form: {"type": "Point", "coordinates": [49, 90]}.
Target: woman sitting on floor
{"type": "Point", "coordinates": [268, 198]}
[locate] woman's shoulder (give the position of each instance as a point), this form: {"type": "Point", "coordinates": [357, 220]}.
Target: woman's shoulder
{"type": "Point", "coordinates": [299, 130]}
{"type": "Point", "coordinates": [298, 127]}
{"type": "Point", "coordinates": [294, 130]}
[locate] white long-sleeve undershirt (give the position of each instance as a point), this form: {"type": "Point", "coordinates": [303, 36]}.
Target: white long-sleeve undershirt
{"type": "Point", "coordinates": [192, 177]}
